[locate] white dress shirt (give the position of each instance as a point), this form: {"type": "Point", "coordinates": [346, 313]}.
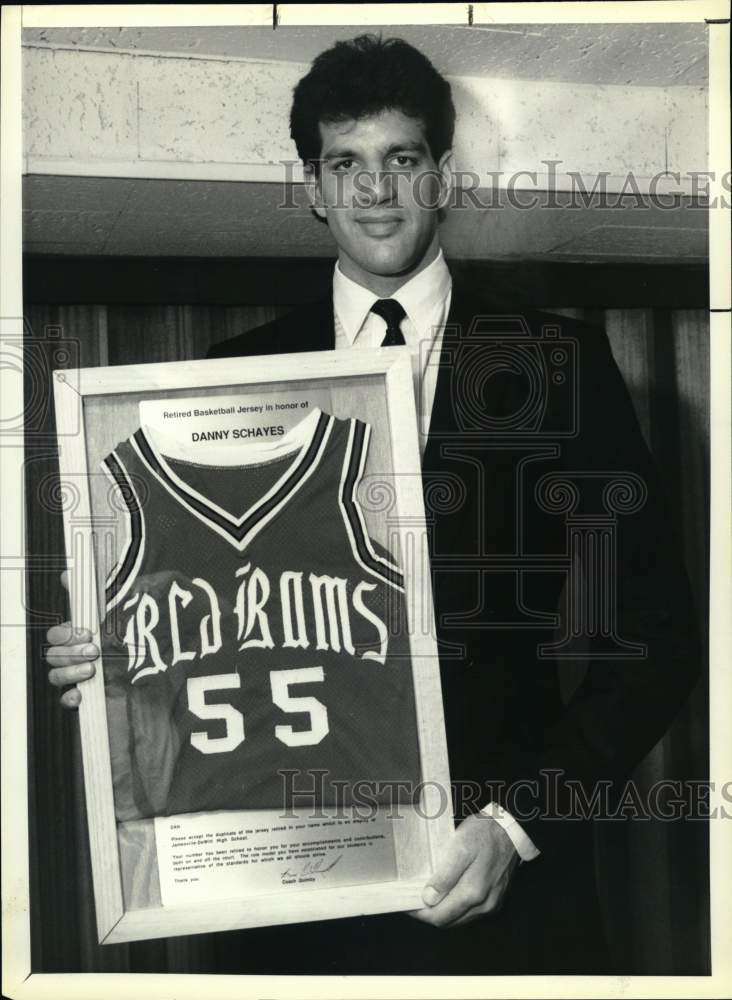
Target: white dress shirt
{"type": "Point", "coordinates": [425, 299]}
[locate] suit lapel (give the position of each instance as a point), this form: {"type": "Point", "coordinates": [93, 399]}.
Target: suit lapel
{"type": "Point", "coordinates": [459, 348]}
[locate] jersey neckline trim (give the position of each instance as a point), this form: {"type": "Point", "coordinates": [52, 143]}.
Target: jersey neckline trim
{"type": "Point", "coordinates": [309, 436]}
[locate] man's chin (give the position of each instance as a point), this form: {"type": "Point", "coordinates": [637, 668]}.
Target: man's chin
{"type": "Point", "coordinates": [391, 265]}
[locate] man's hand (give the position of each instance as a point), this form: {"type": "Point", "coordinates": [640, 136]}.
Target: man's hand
{"type": "Point", "coordinates": [473, 876]}
{"type": "Point", "coordinates": [69, 655]}
{"type": "Point", "coordinates": [71, 652]}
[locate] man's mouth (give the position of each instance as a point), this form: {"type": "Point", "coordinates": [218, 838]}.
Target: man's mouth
{"type": "Point", "coordinates": [380, 225]}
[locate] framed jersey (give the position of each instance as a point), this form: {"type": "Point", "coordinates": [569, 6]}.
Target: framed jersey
{"type": "Point", "coordinates": [264, 742]}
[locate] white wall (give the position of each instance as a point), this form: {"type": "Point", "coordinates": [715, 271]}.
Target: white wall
{"type": "Point", "coordinates": [173, 116]}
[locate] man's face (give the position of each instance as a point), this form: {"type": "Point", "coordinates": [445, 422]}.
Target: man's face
{"type": "Point", "coordinates": [380, 190]}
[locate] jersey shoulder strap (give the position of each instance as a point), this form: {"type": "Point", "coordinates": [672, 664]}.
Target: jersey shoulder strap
{"type": "Point", "coordinates": [378, 564]}
{"type": "Point", "coordinates": [124, 497]}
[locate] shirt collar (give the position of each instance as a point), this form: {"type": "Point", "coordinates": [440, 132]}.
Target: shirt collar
{"type": "Point", "coordinates": [419, 297]}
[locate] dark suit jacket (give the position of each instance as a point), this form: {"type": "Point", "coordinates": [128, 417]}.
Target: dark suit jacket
{"type": "Point", "coordinates": [535, 466]}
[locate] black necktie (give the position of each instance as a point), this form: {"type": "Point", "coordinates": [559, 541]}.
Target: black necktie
{"type": "Point", "coordinates": [392, 313]}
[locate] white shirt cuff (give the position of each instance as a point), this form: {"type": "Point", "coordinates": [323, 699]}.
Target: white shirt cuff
{"type": "Point", "coordinates": [525, 846]}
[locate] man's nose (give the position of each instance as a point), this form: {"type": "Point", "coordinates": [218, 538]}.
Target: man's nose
{"type": "Point", "coordinates": [380, 187]}
{"type": "Point", "coordinates": [387, 189]}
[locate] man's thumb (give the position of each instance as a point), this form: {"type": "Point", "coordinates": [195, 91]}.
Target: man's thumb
{"type": "Point", "coordinates": [446, 876]}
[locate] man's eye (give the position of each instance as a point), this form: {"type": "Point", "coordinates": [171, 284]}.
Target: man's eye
{"type": "Point", "coordinates": [342, 164]}
{"type": "Point", "coordinates": [402, 160]}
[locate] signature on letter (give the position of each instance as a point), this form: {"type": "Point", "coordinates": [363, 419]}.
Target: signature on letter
{"type": "Point", "coordinates": [317, 867]}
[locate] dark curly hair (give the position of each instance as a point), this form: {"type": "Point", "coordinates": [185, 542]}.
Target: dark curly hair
{"type": "Point", "coordinates": [366, 75]}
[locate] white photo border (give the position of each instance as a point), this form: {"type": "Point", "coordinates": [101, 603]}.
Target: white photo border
{"type": "Point", "coordinates": [18, 979]}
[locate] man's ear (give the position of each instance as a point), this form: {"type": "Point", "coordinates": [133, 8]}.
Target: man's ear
{"type": "Point", "coordinates": [312, 187]}
{"type": "Point", "coordinates": [446, 169]}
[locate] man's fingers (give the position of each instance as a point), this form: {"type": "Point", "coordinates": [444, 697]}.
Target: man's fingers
{"type": "Point", "coordinates": [447, 874]}
{"type": "Point", "coordinates": [491, 904]}
{"type": "Point", "coordinates": [466, 896]}
{"type": "Point", "coordinates": [73, 674]}
{"type": "Point", "coordinates": [65, 634]}
{"type": "Point", "coordinates": [68, 656]}
{"type": "Point", "coordinates": [464, 891]}
{"type": "Point", "coordinates": [71, 698]}
{"type": "Point", "coordinates": [468, 891]}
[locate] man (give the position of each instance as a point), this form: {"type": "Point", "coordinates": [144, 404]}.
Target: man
{"type": "Point", "coordinates": [373, 123]}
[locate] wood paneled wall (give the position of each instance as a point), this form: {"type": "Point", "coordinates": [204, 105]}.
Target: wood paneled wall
{"type": "Point", "coordinates": [652, 877]}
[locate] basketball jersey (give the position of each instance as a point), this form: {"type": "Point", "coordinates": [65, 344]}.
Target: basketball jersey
{"type": "Point", "coordinates": [254, 643]}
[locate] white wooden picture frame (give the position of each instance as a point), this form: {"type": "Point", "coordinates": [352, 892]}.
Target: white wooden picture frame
{"type": "Point", "coordinates": [90, 412]}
